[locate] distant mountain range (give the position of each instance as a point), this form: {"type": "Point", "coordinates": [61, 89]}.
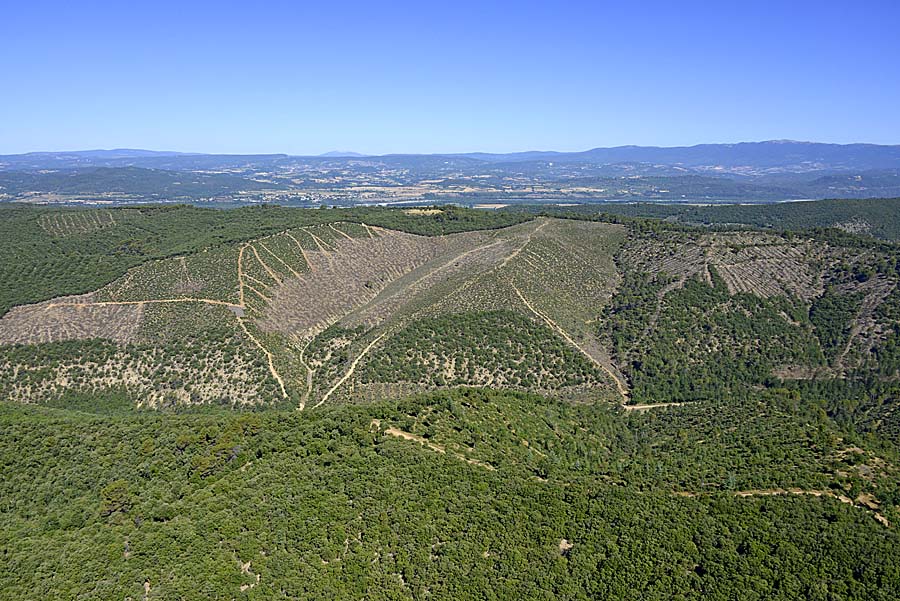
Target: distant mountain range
{"type": "Point", "coordinates": [783, 155]}
{"type": "Point", "coordinates": [746, 172]}
{"type": "Point", "coordinates": [342, 154]}
{"type": "Point", "coordinates": [777, 156]}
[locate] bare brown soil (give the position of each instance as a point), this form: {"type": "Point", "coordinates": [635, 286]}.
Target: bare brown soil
{"type": "Point", "coordinates": [245, 569]}
{"type": "Point", "coordinates": [648, 406]}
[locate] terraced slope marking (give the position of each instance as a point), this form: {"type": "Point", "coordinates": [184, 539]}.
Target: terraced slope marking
{"type": "Point", "coordinates": [74, 223]}
{"type": "Point", "coordinates": [268, 269]}
{"type": "Point", "coordinates": [279, 259]}
{"type": "Point", "coordinates": [40, 323]}
{"type": "Point", "coordinates": [759, 263]}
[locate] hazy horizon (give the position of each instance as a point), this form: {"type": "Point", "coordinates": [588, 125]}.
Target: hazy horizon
{"type": "Point", "coordinates": [413, 78]}
{"type": "Point", "coordinates": [438, 153]}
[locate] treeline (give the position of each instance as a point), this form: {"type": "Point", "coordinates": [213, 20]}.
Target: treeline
{"type": "Point", "coordinates": [877, 217]}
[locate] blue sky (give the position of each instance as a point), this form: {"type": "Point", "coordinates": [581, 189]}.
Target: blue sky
{"type": "Point", "coordinates": [309, 77]}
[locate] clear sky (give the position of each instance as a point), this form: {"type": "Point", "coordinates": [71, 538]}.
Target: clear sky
{"type": "Point", "coordinates": [379, 77]}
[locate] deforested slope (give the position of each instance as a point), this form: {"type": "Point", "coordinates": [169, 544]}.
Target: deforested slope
{"type": "Point", "coordinates": [274, 297]}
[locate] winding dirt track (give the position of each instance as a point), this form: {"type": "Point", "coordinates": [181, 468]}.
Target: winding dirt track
{"type": "Point", "coordinates": [342, 233]}
{"type": "Point", "coordinates": [272, 369]}
{"type": "Point", "coordinates": [434, 447]}
{"type": "Point", "coordinates": [267, 269]}
{"type": "Point", "coordinates": [184, 299]}
{"type": "Point", "coordinates": [242, 301]}
{"type": "Point", "coordinates": [309, 376]}
{"type": "Point", "coordinates": [518, 250]}
{"type": "Point", "coordinates": [648, 406]}
{"type": "Point", "coordinates": [240, 275]}
{"type": "Point", "coordinates": [350, 371]}
{"type": "Point", "coordinates": [553, 325]}
{"type": "Point", "coordinates": [773, 492]}
{"type": "Point", "coordinates": [325, 248]}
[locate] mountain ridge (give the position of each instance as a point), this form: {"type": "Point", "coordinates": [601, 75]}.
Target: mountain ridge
{"type": "Point", "coordinates": [762, 153]}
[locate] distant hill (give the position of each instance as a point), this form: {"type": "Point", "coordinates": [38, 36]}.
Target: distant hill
{"type": "Point", "coordinates": [774, 156]}
{"type": "Point", "coordinates": [746, 172]}
{"type": "Point", "coordinates": [132, 158]}
{"type": "Point", "coordinates": [131, 181]}
{"type": "Point", "coordinates": [342, 154]}
{"type": "Point", "coordinates": [784, 155]}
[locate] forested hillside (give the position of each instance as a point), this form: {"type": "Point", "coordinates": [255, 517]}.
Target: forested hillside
{"type": "Point", "coordinates": [456, 495]}
{"type": "Point", "coordinates": [879, 218]}
{"type": "Point", "coordinates": [445, 403]}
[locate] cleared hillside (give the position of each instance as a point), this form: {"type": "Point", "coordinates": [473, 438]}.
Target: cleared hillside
{"type": "Point", "coordinates": [273, 299]}
{"type": "Point", "coordinates": [347, 311]}
{"type": "Point", "coordinates": [342, 405]}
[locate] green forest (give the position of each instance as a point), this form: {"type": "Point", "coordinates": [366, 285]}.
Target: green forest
{"type": "Point", "coordinates": [657, 409]}
{"type": "Point", "coordinates": [558, 501]}
{"type": "Point", "coordinates": [876, 217]}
